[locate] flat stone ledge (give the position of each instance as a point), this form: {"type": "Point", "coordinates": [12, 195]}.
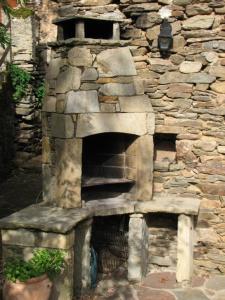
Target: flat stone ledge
{"type": "Point", "coordinates": [111, 206]}
{"type": "Point", "coordinates": [88, 41]}
{"type": "Point", "coordinates": [170, 204]}
{"type": "Point", "coordinates": [48, 219]}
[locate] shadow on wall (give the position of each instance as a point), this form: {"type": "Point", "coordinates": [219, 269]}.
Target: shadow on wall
{"type": "Point", "coordinates": [7, 130]}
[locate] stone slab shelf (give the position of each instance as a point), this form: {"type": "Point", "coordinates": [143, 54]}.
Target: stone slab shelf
{"type": "Point", "coordinates": [48, 219]}
{"type": "Point", "coordinates": [89, 41]}
{"type": "Point", "coordinates": [57, 21]}
{"type": "Point", "coordinates": [111, 206]}
{"type": "Point", "coordinates": [169, 204]}
{"type": "Point", "coordinates": [98, 181]}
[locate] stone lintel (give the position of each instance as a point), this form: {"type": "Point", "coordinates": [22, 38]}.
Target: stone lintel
{"type": "Point", "coordinates": [29, 238]}
{"type": "Point", "coordinates": [59, 21]}
{"type": "Point", "coordinates": [44, 218]}
{"type": "Point", "coordinates": [94, 123]}
{"type": "Point", "coordinates": [169, 204]}
{"type": "Point", "coordinates": [110, 207]}
{"type": "Point", "coordinates": [185, 248]}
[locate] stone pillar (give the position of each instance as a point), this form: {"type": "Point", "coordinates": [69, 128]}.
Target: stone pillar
{"type": "Point", "coordinates": [116, 31]}
{"type": "Point", "coordinates": [185, 248]}
{"type": "Point", "coordinates": [82, 259]}
{"type": "Point", "coordinates": [145, 150]}
{"type": "Point", "coordinates": [138, 245]}
{"type": "Point", "coordinates": [68, 172]}
{"type": "Point", "coordinates": [80, 30]}
{"type": "Point", "coordinates": [22, 242]}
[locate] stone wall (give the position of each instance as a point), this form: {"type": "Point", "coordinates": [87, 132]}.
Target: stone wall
{"type": "Point", "coordinates": [187, 93]}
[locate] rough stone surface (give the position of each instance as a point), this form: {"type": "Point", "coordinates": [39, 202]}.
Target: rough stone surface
{"type": "Point", "coordinates": [119, 89]}
{"type": "Point", "coordinates": [44, 218]}
{"type": "Point", "coordinates": [190, 67]}
{"type": "Point", "coordinates": [198, 22]}
{"type": "Point", "coordinates": [116, 62]}
{"type": "Point", "coordinates": [68, 80]}
{"type": "Point", "coordinates": [62, 126]}
{"type": "Point", "coordinates": [88, 124]}
{"type": "Point", "coordinates": [80, 57]}
{"type": "Point", "coordinates": [135, 104]}
{"type": "Point", "coordinates": [82, 102]}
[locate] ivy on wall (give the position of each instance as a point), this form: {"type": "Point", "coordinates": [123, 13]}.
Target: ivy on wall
{"type": "Point", "coordinates": [23, 83]}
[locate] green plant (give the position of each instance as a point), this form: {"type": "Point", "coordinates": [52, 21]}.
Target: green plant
{"type": "Point", "coordinates": [20, 81]}
{"type": "Point", "coordinates": [4, 37]}
{"type": "Point", "coordinates": [40, 93]}
{"type": "Point", "coordinates": [44, 261]}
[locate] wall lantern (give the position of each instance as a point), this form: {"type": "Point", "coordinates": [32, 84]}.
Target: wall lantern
{"type": "Point", "coordinates": [165, 38]}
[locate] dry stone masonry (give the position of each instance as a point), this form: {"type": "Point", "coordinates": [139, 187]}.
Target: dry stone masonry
{"type": "Point", "coordinates": [129, 133]}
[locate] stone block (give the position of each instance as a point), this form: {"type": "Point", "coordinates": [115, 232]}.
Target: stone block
{"type": "Point", "coordinates": [185, 248]}
{"type": "Point", "coordinates": [53, 68]}
{"type": "Point", "coordinates": [41, 239]}
{"type": "Point", "coordinates": [46, 150]}
{"type": "Point", "coordinates": [198, 22]}
{"type": "Point", "coordinates": [218, 87]}
{"type": "Point", "coordinates": [138, 248]}
{"type": "Point", "coordinates": [89, 74]}
{"type": "Point", "coordinates": [82, 259]}
{"type": "Point", "coordinates": [94, 123]}
{"type": "Point", "coordinates": [82, 102]}
{"type": "Point", "coordinates": [145, 149]}
{"type": "Point", "coordinates": [176, 77]}
{"type": "Point", "coordinates": [126, 89]}
{"type": "Point", "coordinates": [116, 62]}
{"type": "Point", "coordinates": [49, 104]}
{"type": "Point", "coordinates": [68, 172]}
{"type": "Point", "coordinates": [81, 57]}
{"type": "Point", "coordinates": [190, 67]}
{"type": "Point", "coordinates": [135, 104]}
{"type": "Point", "coordinates": [68, 80]}
{"type": "Point", "coordinates": [62, 126]}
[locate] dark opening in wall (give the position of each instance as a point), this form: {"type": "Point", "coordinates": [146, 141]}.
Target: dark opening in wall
{"type": "Point", "coordinates": [67, 30]}
{"type": "Point", "coordinates": [110, 241]}
{"type": "Point", "coordinates": [98, 29]}
{"type": "Point", "coordinates": [164, 147]}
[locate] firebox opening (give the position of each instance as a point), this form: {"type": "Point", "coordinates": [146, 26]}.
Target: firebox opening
{"type": "Point", "coordinates": [163, 241]}
{"type": "Point", "coordinates": [108, 165]}
{"type": "Point", "coordinates": [164, 147]}
{"type": "Point", "coordinates": [93, 29]}
{"type": "Point", "coordinates": [110, 243]}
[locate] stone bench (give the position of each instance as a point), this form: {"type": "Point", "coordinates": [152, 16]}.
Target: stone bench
{"type": "Point", "coordinates": [53, 228]}
{"type": "Point", "coordinates": [39, 226]}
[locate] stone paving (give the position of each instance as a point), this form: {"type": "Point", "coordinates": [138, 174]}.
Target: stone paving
{"type": "Point", "coordinates": [162, 286]}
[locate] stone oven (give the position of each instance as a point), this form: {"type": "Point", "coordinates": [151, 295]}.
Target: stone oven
{"type": "Point", "coordinates": [99, 124]}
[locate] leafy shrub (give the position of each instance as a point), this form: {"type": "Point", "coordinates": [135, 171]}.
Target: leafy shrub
{"type": "Point", "coordinates": [20, 81]}
{"type": "Point", "coordinates": [44, 261]}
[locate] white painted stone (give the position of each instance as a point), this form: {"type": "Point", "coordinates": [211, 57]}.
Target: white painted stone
{"type": "Point", "coordinates": [68, 80]}
{"type": "Point", "coordinates": [82, 102]}
{"type": "Point", "coordinates": [185, 248]}
{"type": "Point", "coordinates": [190, 67]}
{"type": "Point", "coordinates": [116, 62]}
{"type": "Point", "coordinates": [94, 123]}
{"type": "Point", "coordinates": [78, 56]}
